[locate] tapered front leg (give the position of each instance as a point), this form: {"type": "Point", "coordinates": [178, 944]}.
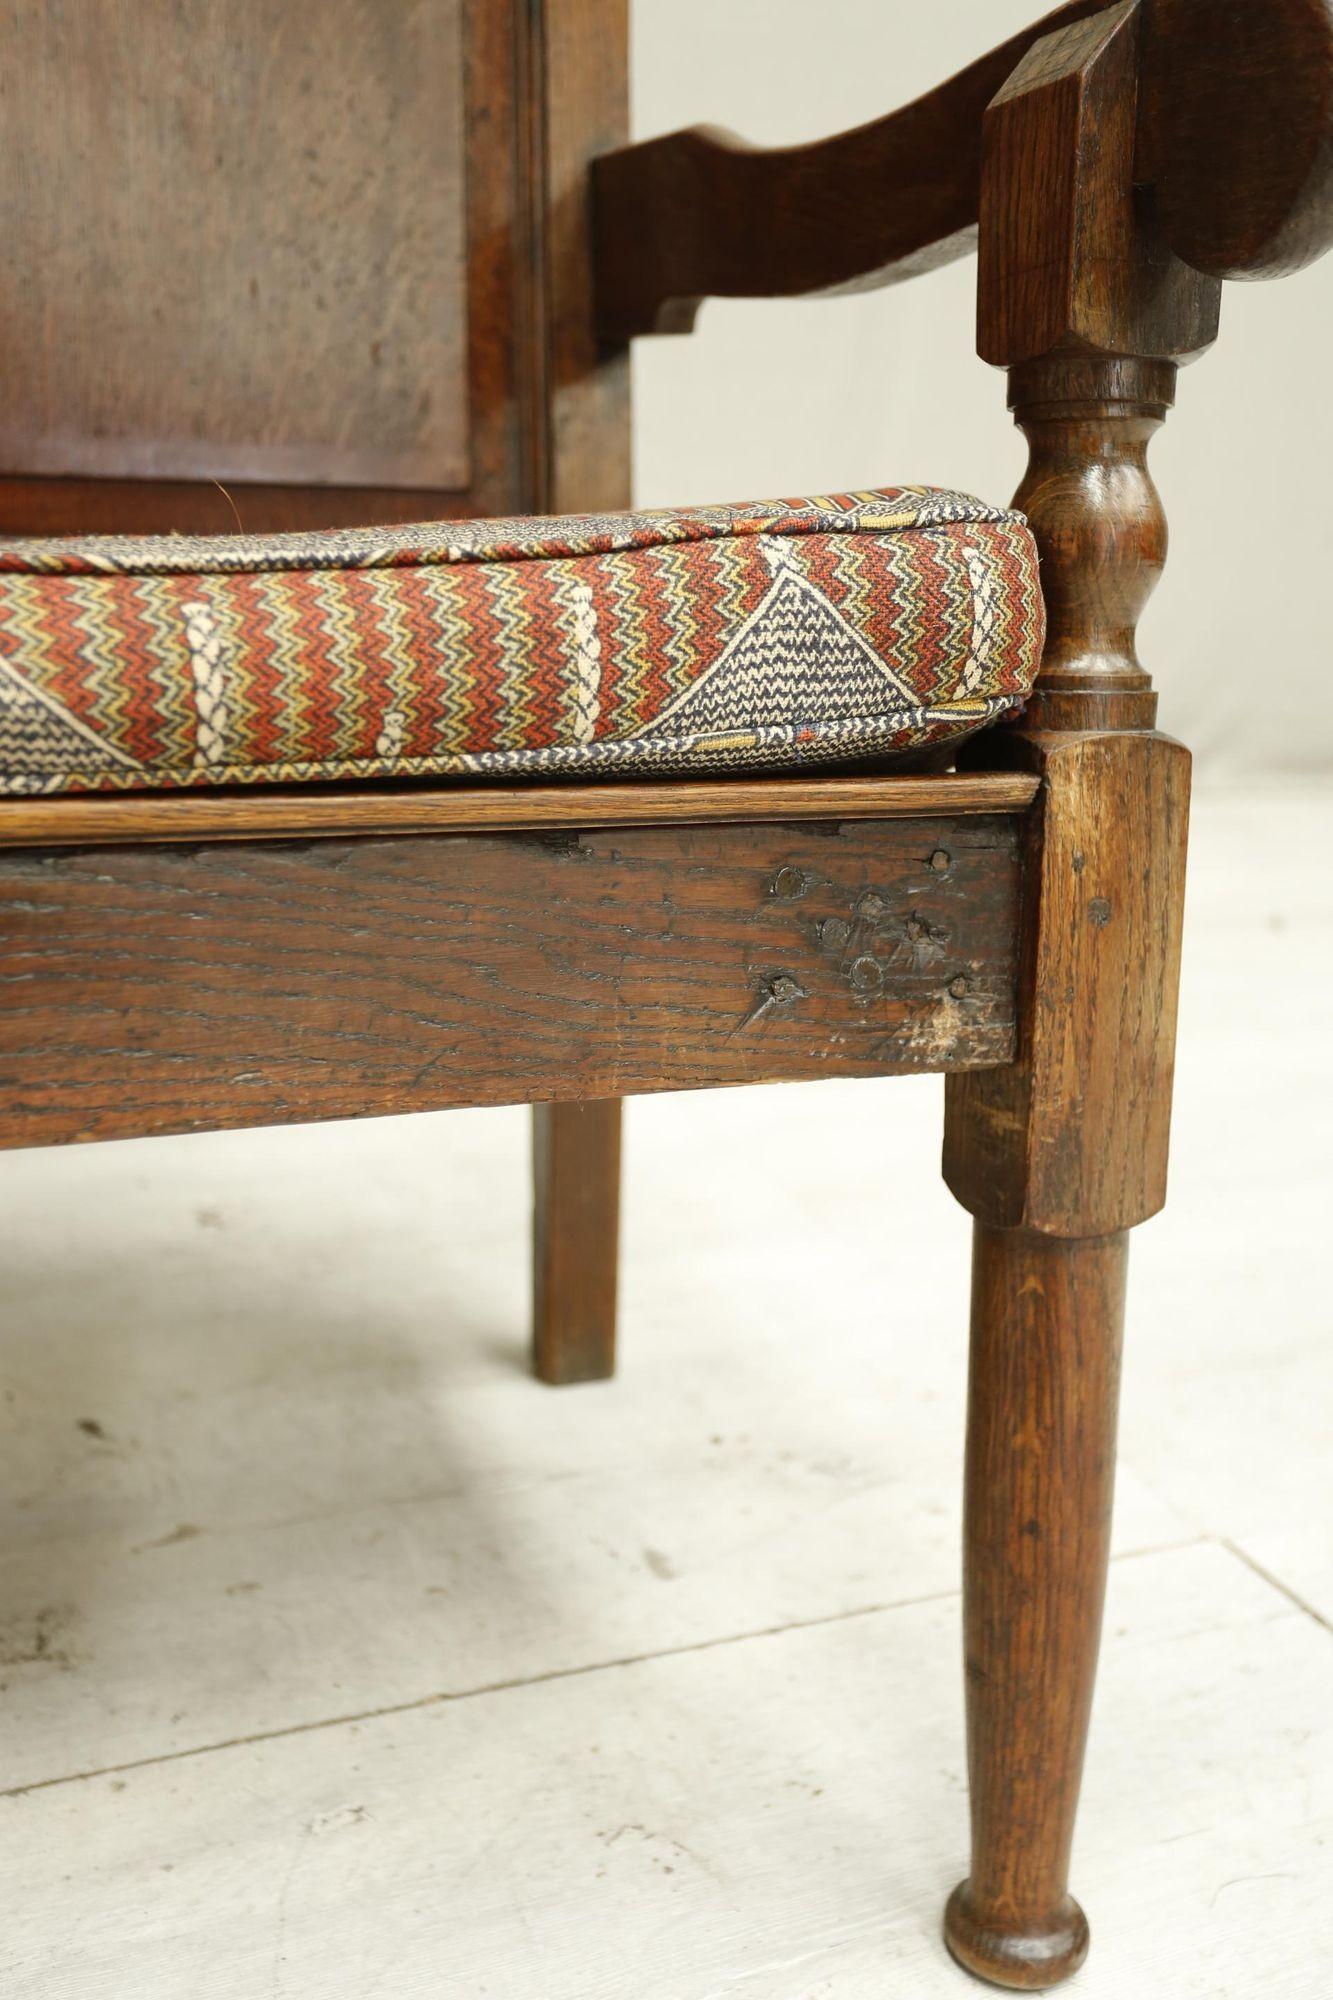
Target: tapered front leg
{"type": "Point", "coordinates": [1057, 1157]}
{"type": "Point", "coordinates": [576, 1232]}
{"type": "Point", "coordinates": [1047, 1315]}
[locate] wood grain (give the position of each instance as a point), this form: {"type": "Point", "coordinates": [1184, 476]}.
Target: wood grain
{"type": "Point", "coordinates": [580, 89]}
{"type": "Point", "coordinates": [1072, 1138]}
{"type": "Point", "coordinates": [1057, 1155]}
{"type": "Point", "coordinates": [1043, 1395]}
{"type": "Point", "coordinates": [1100, 529]}
{"type": "Point", "coordinates": [699, 214]}
{"type": "Point", "coordinates": [1081, 298]}
{"type": "Point", "coordinates": [222, 277]}
{"type": "Point", "coordinates": [315, 814]}
{"type": "Point", "coordinates": [180, 989]}
{"type": "Point", "coordinates": [1225, 106]}
{"type": "Point", "coordinates": [576, 1229]}
{"type": "Point", "coordinates": [585, 56]}
{"type": "Point", "coordinates": [1084, 300]}
{"type": "Point", "coordinates": [327, 1386]}
{"type": "Point", "coordinates": [494, 312]}
{"type": "Point", "coordinates": [1236, 132]}
{"type": "Point", "coordinates": [1070, 257]}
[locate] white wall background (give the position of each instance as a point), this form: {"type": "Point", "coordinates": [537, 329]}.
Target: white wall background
{"type": "Point", "coordinates": [785, 397]}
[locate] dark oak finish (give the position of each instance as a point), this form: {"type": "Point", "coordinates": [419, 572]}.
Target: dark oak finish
{"type": "Point", "coordinates": [1227, 106]}
{"type": "Point", "coordinates": [576, 1215]}
{"type": "Point", "coordinates": [1236, 132]}
{"type": "Point", "coordinates": [381, 312]}
{"type": "Point", "coordinates": [1080, 299]}
{"type": "Point", "coordinates": [317, 814]}
{"type": "Point", "coordinates": [181, 963]}
{"type": "Point", "coordinates": [1098, 519]}
{"type": "Point", "coordinates": [1083, 300]}
{"type": "Point", "coordinates": [585, 376]}
{"type": "Point", "coordinates": [311, 330]}
{"type": "Point", "coordinates": [1082, 267]}
{"type": "Point", "coordinates": [1042, 1398]}
{"type": "Point", "coordinates": [700, 214]}
{"type": "Point", "coordinates": [1072, 1138]}
{"type": "Point", "coordinates": [1056, 1161]}
{"type": "Point", "coordinates": [177, 989]}
{"type": "Point", "coordinates": [582, 48]}
{"type": "Point", "coordinates": [497, 313]}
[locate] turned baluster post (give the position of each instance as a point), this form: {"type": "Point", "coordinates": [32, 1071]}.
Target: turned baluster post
{"type": "Point", "coordinates": [1099, 522]}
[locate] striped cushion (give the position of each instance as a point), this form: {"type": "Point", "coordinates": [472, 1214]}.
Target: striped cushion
{"type": "Point", "coordinates": [782, 633]}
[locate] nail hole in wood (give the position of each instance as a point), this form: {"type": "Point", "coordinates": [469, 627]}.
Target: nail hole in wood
{"type": "Point", "coordinates": [790, 884]}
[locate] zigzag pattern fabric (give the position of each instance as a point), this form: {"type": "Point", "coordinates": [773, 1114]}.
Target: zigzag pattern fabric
{"type": "Point", "coordinates": [767, 635]}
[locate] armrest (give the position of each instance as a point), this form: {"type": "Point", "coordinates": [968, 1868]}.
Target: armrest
{"type": "Point", "coordinates": [1235, 109]}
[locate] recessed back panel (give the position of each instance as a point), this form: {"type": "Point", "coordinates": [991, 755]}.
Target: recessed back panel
{"type": "Point", "coordinates": [235, 241]}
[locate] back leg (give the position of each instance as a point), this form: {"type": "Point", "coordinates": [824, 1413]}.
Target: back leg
{"type": "Point", "coordinates": [576, 1234]}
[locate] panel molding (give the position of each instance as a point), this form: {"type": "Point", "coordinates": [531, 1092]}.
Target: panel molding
{"type": "Point", "coordinates": [544, 88]}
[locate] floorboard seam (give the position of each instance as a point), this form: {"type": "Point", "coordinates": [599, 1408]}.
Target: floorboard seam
{"type": "Point", "coordinates": [1283, 1589]}
{"type": "Point", "coordinates": [525, 1680]}
{"type": "Point", "coordinates": [438, 1700]}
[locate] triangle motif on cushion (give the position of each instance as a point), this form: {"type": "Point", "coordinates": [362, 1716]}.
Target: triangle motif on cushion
{"type": "Point", "coordinates": [795, 655]}
{"type": "Point", "coordinates": [41, 742]}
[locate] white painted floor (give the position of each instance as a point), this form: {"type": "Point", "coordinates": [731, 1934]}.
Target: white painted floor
{"type": "Point", "coordinates": [341, 1660]}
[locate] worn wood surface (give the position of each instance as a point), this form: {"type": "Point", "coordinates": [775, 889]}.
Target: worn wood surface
{"type": "Point", "coordinates": [1070, 255]}
{"type": "Point", "coordinates": [585, 60]}
{"type": "Point", "coordinates": [700, 214]}
{"type": "Point", "coordinates": [185, 987]}
{"type": "Point", "coordinates": [1072, 1138]}
{"type": "Point", "coordinates": [201, 301]}
{"type": "Point", "coordinates": [1100, 529]}
{"type": "Point", "coordinates": [1236, 132]}
{"type": "Point", "coordinates": [1231, 149]}
{"type": "Point", "coordinates": [1043, 1393]}
{"type": "Point", "coordinates": [576, 1228]}
{"type": "Point", "coordinates": [581, 50]}
{"type": "Point", "coordinates": [1081, 297]}
{"type": "Point", "coordinates": [1057, 1160]}
{"type": "Point", "coordinates": [308, 1348]}
{"type": "Point", "coordinates": [314, 814]}
{"type": "Point", "coordinates": [493, 315]}
{"type": "Point", "coordinates": [176, 989]}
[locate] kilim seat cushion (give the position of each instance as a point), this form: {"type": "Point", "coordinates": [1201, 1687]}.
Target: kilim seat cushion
{"type": "Point", "coordinates": [774, 634]}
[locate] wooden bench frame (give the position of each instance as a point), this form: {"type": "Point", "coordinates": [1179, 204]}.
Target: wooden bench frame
{"type": "Point", "coordinates": [204, 961]}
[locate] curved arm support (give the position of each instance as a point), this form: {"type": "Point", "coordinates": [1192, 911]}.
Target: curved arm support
{"type": "Point", "coordinates": [1234, 140]}
{"type": "Point", "coordinates": [1236, 132]}
{"type": "Point", "coordinates": [700, 214]}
